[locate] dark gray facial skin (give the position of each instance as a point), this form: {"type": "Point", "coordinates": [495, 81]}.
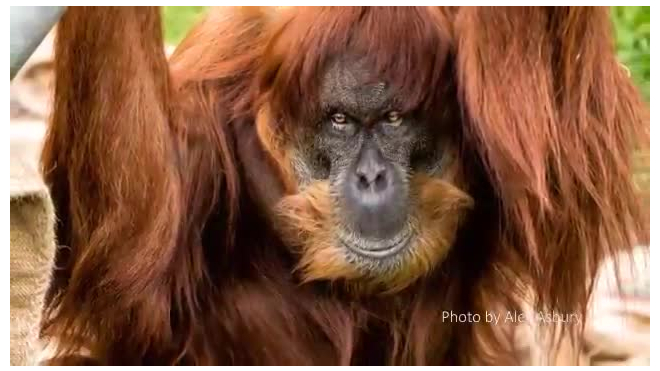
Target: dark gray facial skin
{"type": "Point", "coordinates": [368, 150]}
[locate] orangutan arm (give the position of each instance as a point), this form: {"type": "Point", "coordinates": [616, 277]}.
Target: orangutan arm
{"type": "Point", "coordinates": [108, 161]}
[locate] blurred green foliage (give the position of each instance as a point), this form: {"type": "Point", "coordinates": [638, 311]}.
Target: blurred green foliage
{"type": "Point", "coordinates": [633, 41]}
{"type": "Point", "coordinates": [632, 28]}
{"type": "Point", "coordinates": [178, 20]}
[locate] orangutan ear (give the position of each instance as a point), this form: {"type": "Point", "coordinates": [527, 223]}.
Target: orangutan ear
{"type": "Point", "coordinates": [555, 121]}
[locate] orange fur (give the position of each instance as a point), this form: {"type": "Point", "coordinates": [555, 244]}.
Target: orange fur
{"type": "Point", "coordinates": [167, 260]}
{"type": "Point", "coordinates": [277, 148]}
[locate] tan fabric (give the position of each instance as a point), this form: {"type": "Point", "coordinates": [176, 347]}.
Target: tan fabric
{"type": "Point", "coordinates": [619, 332]}
{"type": "Point", "coordinates": [32, 247]}
{"type": "Point", "coordinates": [618, 329]}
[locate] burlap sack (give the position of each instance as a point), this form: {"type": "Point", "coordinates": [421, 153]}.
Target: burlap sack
{"type": "Point", "coordinates": [32, 248]}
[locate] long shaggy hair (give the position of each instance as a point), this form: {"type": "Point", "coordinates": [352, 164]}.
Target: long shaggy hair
{"type": "Point", "coordinates": [165, 257]}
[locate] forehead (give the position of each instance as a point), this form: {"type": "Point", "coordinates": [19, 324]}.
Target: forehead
{"type": "Point", "coordinates": [352, 85]}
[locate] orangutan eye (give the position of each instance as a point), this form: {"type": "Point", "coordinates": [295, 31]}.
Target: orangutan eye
{"type": "Point", "coordinates": [339, 121]}
{"type": "Point", "coordinates": [394, 118]}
